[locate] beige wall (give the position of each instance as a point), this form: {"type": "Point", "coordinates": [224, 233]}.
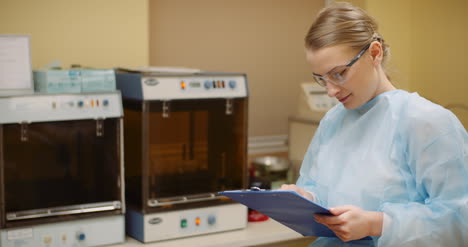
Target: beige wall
{"type": "Point", "coordinates": [428, 43]}
{"type": "Point", "coordinates": [263, 38]}
{"type": "Point", "coordinates": [394, 22]}
{"type": "Point", "coordinates": [439, 49]}
{"type": "Point", "coordinates": [103, 33]}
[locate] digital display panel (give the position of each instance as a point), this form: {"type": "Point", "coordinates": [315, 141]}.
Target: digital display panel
{"type": "Point", "coordinates": [195, 84]}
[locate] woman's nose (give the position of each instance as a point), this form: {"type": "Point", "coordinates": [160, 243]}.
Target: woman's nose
{"type": "Point", "coordinates": [332, 90]}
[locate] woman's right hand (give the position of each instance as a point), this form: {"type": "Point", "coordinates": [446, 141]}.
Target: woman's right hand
{"type": "Point", "coordinates": [299, 190]}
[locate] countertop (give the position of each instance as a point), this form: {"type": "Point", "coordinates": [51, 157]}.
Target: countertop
{"type": "Point", "coordinates": [256, 233]}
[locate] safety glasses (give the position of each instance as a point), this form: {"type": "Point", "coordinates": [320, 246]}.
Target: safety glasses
{"type": "Point", "coordinates": [337, 75]}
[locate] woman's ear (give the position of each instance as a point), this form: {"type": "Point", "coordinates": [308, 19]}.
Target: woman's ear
{"type": "Point", "coordinates": [376, 52]}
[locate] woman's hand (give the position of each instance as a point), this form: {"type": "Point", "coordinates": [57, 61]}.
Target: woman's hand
{"type": "Point", "coordinates": [299, 190]}
{"type": "Point", "coordinates": [351, 223]}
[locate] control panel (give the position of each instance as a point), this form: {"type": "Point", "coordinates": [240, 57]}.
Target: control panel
{"type": "Point", "coordinates": [59, 107]}
{"type": "Point", "coordinates": [194, 87]}
{"type": "Point", "coordinates": [190, 222]}
{"type": "Point", "coordinates": [317, 98]}
{"type": "Point", "coordinates": [197, 221]}
{"type": "Point", "coordinates": [90, 232]}
{"type": "Point", "coordinates": [321, 102]}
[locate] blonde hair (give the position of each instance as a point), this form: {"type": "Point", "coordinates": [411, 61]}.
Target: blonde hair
{"type": "Point", "coordinates": [343, 23]}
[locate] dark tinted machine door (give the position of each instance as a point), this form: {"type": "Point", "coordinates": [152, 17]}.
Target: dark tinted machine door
{"type": "Point", "coordinates": [194, 152]}
{"type": "Point", "coordinates": [197, 149]}
{"type": "Point", "coordinates": [60, 169]}
{"type": "Point", "coordinates": [61, 163]}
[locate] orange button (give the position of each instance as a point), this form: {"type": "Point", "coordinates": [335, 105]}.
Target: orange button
{"type": "Point", "coordinates": [197, 221]}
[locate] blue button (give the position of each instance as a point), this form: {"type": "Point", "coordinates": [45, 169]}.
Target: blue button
{"type": "Point", "coordinates": [207, 84]}
{"type": "Point", "coordinates": [211, 220]}
{"type": "Point", "coordinates": [81, 237]}
{"type": "Point", "coordinates": [232, 84]}
{"type": "Point", "coordinates": [105, 102]}
{"type": "Point", "coordinates": [80, 103]}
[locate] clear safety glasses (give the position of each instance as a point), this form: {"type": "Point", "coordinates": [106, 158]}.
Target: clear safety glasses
{"type": "Point", "coordinates": [337, 75]}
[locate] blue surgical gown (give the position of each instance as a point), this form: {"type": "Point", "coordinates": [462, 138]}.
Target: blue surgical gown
{"type": "Point", "coordinates": [399, 154]}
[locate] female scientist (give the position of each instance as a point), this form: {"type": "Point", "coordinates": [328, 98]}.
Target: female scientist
{"type": "Point", "coordinates": [388, 163]}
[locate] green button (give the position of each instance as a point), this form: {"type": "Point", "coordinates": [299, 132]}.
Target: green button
{"type": "Point", "coordinates": [183, 223]}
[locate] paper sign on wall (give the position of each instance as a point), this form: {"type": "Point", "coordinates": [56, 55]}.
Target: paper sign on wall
{"type": "Point", "coordinates": [15, 64]}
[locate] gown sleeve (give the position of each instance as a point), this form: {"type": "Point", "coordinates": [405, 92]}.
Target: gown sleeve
{"type": "Point", "coordinates": [436, 178]}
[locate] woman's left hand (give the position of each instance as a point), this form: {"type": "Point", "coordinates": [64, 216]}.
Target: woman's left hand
{"type": "Point", "coordinates": [351, 222]}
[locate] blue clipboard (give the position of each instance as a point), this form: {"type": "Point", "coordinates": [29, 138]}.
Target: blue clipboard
{"type": "Point", "coordinates": [287, 207]}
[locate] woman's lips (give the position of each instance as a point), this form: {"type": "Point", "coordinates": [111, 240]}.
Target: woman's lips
{"type": "Point", "coordinates": [344, 98]}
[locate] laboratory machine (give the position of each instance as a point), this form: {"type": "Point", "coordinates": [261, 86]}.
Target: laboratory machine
{"type": "Point", "coordinates": [185, 140]}
{"type": "Point", "coordinates": [313, 103]}
{"type": "Point", "coordinates": [61, 170]}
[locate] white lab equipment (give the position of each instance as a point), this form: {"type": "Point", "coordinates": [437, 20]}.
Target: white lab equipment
{"type": "Point", "coordinates": [185, 140]}
{"type": "Point", "coordinates": [61, 169]}
{"type": "Point", "coordinates": [312, 105]}
{"type": "Point", "coordinates": [314, 102]}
